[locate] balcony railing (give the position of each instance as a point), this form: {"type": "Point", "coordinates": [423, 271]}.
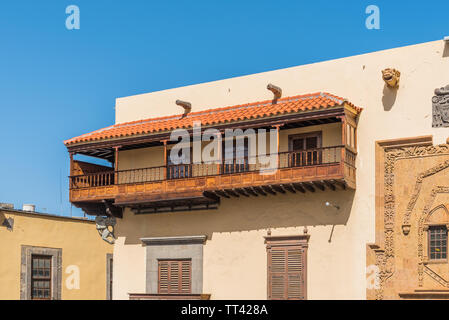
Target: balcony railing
{"type": "Point", "coordinates": [292, 159]}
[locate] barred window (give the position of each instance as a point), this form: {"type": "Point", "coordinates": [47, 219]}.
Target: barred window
{"type": "Point", "coordinates": [41, 277]}
{"type": "Point", "coordinates": [437, 242]}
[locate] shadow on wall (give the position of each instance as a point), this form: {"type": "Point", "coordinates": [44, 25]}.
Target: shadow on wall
{"type": "Point", "coordinates": [242, 214]}
{"type": "Point", "coordinates": [389, 97]}
{"type": "Point", "coordinates": [446, 49]}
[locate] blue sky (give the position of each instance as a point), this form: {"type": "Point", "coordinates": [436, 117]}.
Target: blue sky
{"type": "Point", "coordinates": [56, 84]}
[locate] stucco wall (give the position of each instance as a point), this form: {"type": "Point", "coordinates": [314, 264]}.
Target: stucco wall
{"type": "Point", "coordinates": [80, 243]}
{"type": "Point", "coordinates": [234, 257]}
{"type": "Point", "coordinates": [154, 156]}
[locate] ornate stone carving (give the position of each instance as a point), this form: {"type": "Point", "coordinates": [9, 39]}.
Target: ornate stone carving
{"type": "Point", "coordinates": [391, 77]}
{"type": "Point", "coordinates": [418, 184]}
{"type": "Point", "coordinates": [103, 224]}
{"type": "Point", "coordinates": [440, 107]}
{"type": "Point", "coordinates": [385, 258]}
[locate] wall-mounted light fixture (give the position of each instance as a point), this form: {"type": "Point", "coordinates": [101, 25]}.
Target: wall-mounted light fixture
{"type": "Point", "coordinates": [328, 204]}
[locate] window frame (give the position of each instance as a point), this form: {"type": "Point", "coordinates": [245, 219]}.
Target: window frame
{"type": "Point", "coordinates": [287, 242]}
{"type": "Point", "coordinates": [293, 161]}
{"type": "Point", "coordinates": [34, 279]}
{"type": "Point", "coordinates": [179, 263]}
{"type": "Point", "coordinates": [429, 228]}
{"type": "Point", "coordinates": [26, 266]}
{"type": "Point", "coordinates": [318, 134]}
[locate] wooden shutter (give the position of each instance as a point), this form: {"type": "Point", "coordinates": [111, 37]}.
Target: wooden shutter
{"type": "Point", "coordinates": [286, 270]}
{"type": "Point", "coordinates": [175, 276]}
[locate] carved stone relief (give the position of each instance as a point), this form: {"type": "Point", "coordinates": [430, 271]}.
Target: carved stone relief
{"type": "Point", "coordinates": [404, 231]}
{"type": "Point", "coordinates": [440, 107]}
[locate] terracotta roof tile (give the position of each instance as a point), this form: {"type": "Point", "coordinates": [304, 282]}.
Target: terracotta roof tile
{"type": "Point", "coordinates": [236, 113]}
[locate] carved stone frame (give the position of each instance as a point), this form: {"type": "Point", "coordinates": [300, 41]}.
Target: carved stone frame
{"type": "Point", "coordinates": [387, 152]}
{"type": "Point", "coordinates": [185, 247]}
{"type": "Point", "coordinates": [25, 270]}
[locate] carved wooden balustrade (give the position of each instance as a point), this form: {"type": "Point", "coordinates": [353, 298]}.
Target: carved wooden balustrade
{"type": "Point", "coordinates": [298, 171]}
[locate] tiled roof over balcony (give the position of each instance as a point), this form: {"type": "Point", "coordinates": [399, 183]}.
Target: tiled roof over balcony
{"type": "Point", "coordinates": [210, 117]}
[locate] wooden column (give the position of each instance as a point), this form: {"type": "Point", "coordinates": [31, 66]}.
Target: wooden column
{"type": "Point", "coordinates": [165, 159]}
{"type": "Point", "coordinates": [343, 140]}
{"type": "Point", "coordinates": [220, 152]}
{"type": "Point", "coordinates": [277, 126]}
{"type": "Point", "coordinates": [71, 170]}
{"type": "Point", "coordinates": [116, 164]}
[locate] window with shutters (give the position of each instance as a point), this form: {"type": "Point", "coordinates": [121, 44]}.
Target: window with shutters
{"type": "Point", "coordinates": [287, 258]}
{"type": "Point", "coordinates": [305, 149]}
{"type": "Point", "coordinates": [175, 277]}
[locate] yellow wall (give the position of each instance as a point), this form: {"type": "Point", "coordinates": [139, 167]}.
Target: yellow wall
{"type": "Point", "coordinates": [80, 243]}
{"type": "Point", "coordinates": [235, 258]}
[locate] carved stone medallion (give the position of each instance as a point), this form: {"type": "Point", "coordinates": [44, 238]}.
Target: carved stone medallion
{"type": "Point", "coordinates": [440, 107]}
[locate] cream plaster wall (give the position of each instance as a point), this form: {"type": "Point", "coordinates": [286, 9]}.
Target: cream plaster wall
{"type": "Point", "coordinates": [154, 156]}
{"type": "Point", "coordinates": [235, 259]}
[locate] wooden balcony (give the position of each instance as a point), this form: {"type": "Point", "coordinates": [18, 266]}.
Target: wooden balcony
{"type": "Point", "coordinates": [201, 186]}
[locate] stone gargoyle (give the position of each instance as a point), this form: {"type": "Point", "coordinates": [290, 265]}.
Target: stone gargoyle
{"type": "Point", "coordinates": [103, 224]}
{"type": "Point", "coordinates": [391, 77]}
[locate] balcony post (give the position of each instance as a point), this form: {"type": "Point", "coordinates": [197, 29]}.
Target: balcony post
{"type": "Point", "coordinates": [343, 140]}
{"type": "Point", "coordinates": [277, 126]}
{"type": "Point", "coordinates": [165, 159]}
{"type": "Point", "coordinates": [116, 164]}
{"type": "Point", "coordinates": [71, 171]}
{"type": "Point", "coordinates": [219, 151]}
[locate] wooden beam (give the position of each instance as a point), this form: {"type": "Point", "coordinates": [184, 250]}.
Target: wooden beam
{"type": "Point", "coordinates": [279, 188]}
{"type": "Point", "coordinates": [318, 185]}
{"type": "Point", "coordinates": [341, 184]}
{"type": "Point", "coordinates": [308, 186]}
{"type": "Point", "coordinates": [242, 192]}
{"type": "Point", "coordinates": [111, 210]}
{"type": "Point", "coordinates": [289, 187]}
{"type": "Point", "coordinates": [222, 193]}
{"type": "Point", "coordinates": [269, 190]}
{"type": "Point", "coordinates": [330, 185]}
{"type": "Point", "coordinates": [232, 193]}
{"type": "Point", "coordinates": [211, 195]}
{"type": "Point", "coordinates": [260, 191]}
{"type": "Point", "coordinates": [250, 191]}
{"type": "Point", "coordinates": [298, 187]}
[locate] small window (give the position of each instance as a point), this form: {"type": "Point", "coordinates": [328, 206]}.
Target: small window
{"type": "Point", "coordinates": [235, 158]}
{"type": "Point", "coordinates": [305, 149]}
{"type": "Point", "coordinates": [437, 242]}
{"type": "Point", "coordinates": [41, 278]}
{"type": "Point", "coordinates": [287, 269]}
{"type": "Point", "coordinates": [175, 277]}
{"type": "Point", "coordinates": [179, 171]}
